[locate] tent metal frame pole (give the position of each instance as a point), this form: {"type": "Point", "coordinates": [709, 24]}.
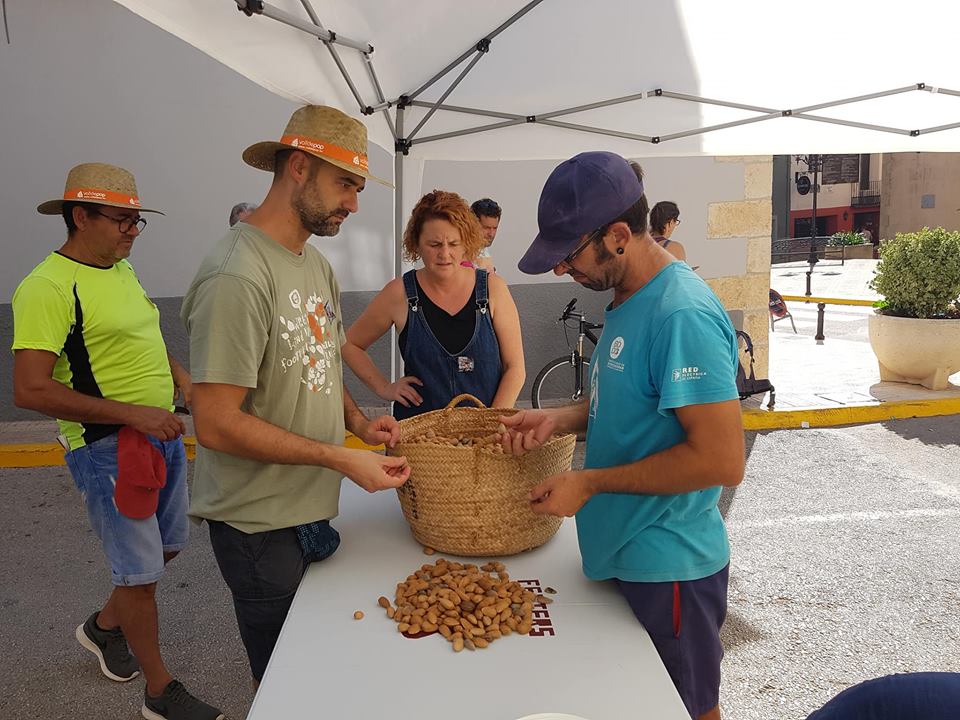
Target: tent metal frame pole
{"type": "Point", "coordinates": [711, 101]}
{"type": "Point", "coordinates": [446, 93]}
{"type": "Point", "coordinates": [368, 63]}
{"type": "Point", "coordinates": [597, 131]}
{"type": "Point", "coordinates": [334, 54]}
{"type": "Point", "coordinates": [287, 19]}
{"type": "Point", "coordinates": [592, 106]}
{"type": "Point", "coordinates": [490, 36]}
{"type": "Point", "coordinates": [470, 131]}
{"type": "Point", "coordinates": [851, 123]}
{"type": "Point", "coordinates": [936, 128]}
{"type": "Point", "coordinates": [856, 99]}
{"type": "Point", "coordinates": [711, 128]}
{"type": "Point", "coordinates": [397, 236]}
{"type": "Point", "coordinates": [470, 111]}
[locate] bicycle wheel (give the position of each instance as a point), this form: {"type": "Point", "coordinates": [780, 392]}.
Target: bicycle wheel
{"type": "Point", "coordinates": [557, 383]}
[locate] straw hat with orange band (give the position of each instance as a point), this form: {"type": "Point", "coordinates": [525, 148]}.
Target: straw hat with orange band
{"type": "Point", "coordinates": [324, 132]}
{"type": "Point", "coordinates": [100, 184]}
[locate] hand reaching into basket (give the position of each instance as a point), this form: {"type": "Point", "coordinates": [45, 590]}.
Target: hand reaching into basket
{"type": "Point", "coordinates": [526, 430]}
{"type": "Point", "coordinates": [374, 472]}
{"type": "Point", "coordinates": [382, 430]}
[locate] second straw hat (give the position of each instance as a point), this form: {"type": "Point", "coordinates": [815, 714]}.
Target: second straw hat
{"type": "Point", "coordinates": [324, 132]}
{"type": "Point", "coordinates": [100, 184]}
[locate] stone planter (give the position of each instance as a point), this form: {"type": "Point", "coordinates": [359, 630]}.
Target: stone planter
{"type": "Point", "coordinates": [859, 252]}
{"type": "Point", "coordinates": [922, 352]}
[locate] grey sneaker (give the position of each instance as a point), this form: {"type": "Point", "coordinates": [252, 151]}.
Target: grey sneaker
{"type": "Point", "coordinates": [110, 647]}
{"type": "Point", "coordinates": [177, 704]}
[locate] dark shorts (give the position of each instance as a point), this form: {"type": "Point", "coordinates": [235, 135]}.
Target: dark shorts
{"type": "Point", "coordinates": [684, 619]}
{"type": "Point", "coordinates": [263, 571]}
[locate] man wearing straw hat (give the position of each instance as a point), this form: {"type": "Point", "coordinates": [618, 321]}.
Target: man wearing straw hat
{"type": "Point", "coordinates": [88, 351]}
{"type": "Point", "coordinates": [270, 408]}
{"type": "Point", "coordinates": [664, 433]}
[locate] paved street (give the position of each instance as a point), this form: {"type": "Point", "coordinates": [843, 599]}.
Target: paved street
{"type": "Point", "coordinates": [845, 567]}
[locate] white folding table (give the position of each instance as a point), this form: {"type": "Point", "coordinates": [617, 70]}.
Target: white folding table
{"type": "Point", "coordinates": [587, 655]}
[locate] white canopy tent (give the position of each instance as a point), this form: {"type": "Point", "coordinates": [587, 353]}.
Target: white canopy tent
{"type": "Point", "coordinates": [516, 79]}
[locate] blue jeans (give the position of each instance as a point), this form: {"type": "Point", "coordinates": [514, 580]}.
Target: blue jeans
{"type": "Point", "coordinates": [134, 548]}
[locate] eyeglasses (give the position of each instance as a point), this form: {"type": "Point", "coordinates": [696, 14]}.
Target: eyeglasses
{"type": "Point", "coordinates": [568, 260]}
{"type": "Point", "coordinates": [125, 224]}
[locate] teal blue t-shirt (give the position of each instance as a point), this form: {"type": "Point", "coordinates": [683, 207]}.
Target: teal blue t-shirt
{"type": "Point", "coordinates": [669, 345]}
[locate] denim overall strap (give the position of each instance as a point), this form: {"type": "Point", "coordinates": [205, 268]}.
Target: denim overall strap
{"type": "Point", "coordinates": [410, 287]}
{"type": "Point", "coordinates": [475, 369]}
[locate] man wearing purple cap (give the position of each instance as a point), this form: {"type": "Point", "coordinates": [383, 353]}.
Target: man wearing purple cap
{"type": "Point", "coordinates": [663, 426]}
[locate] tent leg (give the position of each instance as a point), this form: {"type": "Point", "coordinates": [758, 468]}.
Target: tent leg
{"type": "Point", "coordinates": [397, 236]}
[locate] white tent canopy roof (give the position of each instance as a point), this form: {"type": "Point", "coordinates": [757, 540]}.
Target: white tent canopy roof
{"type": "Point", "coordinates": [755, 59]}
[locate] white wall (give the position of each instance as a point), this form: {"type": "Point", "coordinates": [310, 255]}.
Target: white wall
{"type": "Point", "coordinates": [91, 82]}
{"type": "Point", "coordinates": [690, 182]}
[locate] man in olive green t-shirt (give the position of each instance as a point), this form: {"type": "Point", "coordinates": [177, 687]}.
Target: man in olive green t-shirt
{"type": "Point", "coordinates": [270, 409]}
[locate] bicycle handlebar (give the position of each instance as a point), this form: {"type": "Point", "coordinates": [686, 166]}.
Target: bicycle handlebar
{"type": "Point", "coordinates": [570, 312]}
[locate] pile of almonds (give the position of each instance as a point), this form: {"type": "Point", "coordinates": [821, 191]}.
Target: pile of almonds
{"type": "Point", "coordinates": [489, 442]}
{"type": "Point", "coordinates": [470, 606]}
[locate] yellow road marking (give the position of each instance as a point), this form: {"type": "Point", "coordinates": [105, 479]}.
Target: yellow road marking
{"type": "Point", "coordinates": [757, 419]}
{"type": "Point", "coordinates": [829, 301]}
{"type": "Point", "coordinates": [51, 454]}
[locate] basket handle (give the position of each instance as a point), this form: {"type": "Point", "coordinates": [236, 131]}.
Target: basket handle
{"type": "Point", "coordinates": [465, 396]}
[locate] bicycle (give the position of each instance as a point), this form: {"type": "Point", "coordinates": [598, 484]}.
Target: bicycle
{"type": "Point", "coordinates": [561, 380]}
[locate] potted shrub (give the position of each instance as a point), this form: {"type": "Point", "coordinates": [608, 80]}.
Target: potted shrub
{"type": "Point", "coordinates": [915, 332]}
{"type": "Point", "coordinates": [853, 244]}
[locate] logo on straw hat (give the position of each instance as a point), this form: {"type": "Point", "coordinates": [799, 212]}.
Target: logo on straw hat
{"type": "Point", "coordinates": [100, 184]}
{"type": "Point", "coordinates": [326, 133]}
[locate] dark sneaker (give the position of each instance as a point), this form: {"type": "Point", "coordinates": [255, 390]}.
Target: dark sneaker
{"type": "Point", "coordinates": [177, 704]}
{"type": "Point", "coordinates": [110, 647]}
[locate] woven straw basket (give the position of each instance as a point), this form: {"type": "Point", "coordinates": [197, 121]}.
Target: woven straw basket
{"type": "Point", "coordinates": [470, 500]}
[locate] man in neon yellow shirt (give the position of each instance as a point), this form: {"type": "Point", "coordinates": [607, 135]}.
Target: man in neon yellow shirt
{"type": "Point", "coordinates": [88, 351]}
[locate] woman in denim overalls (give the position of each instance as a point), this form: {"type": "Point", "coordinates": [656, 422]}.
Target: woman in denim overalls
{"type": "Point", "coordinates": [459, 331]}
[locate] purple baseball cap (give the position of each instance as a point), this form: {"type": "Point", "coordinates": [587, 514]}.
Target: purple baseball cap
{"type": "Point", "coordinates": [582, 194]}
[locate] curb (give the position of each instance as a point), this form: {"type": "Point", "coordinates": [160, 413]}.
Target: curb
{"type": "Point", "coordinates": [51, 454]}
{"type": "Point", "coordinates": [829, 301]}
{"type": "Point", "coordinates": [754, 419]}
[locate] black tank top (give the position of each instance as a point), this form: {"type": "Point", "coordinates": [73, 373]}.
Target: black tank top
{"type": "Point", "coordinates": [453, 332]}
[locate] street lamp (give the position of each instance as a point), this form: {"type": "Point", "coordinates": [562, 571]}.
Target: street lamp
{"type": "Point", "coordinates": [813, 165]}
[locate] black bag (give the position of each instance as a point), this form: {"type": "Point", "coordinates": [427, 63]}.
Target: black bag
{"type": "Point", "coordinates": [748, 385]}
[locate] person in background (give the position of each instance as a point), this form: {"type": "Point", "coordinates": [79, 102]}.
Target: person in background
{"type": "Point", "coordinates": [664, 219]}
{"type": "Point", "coordinates": [488, 213]}
{"type": "Point", "coordinates": [458, 327]}
{"type": "Point", "coordinates": [240, 212]}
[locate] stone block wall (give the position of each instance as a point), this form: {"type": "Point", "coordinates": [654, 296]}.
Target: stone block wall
{"type": "Point", "coordinates": [748, 220]}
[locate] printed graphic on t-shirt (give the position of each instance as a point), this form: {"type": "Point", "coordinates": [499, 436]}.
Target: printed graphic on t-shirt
{"type": "Point", "coordinates": [683, 374]}
{"type": "Point", "coordinates": [616, 347]}
{"type": "Point", "coordinates": [594, 389]}
{"type": "Point", "coordinates": [311, 341]}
